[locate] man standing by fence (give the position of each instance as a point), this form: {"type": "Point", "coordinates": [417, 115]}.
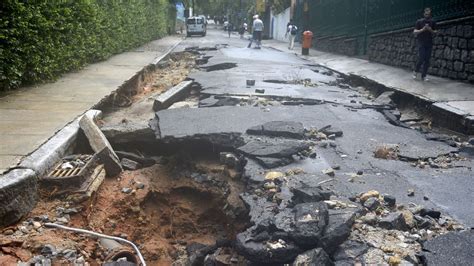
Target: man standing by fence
{"type": "Point", "coordinates": [424, 31]}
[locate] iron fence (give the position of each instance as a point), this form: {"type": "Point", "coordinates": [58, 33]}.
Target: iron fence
{"type": "Point", "coordinates": [360, 18]}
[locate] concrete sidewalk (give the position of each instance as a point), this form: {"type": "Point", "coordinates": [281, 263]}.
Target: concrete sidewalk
{"type": "Point", "coordinates": [30, 116]}
{"type": "Point", "coordinates": [452, 102]}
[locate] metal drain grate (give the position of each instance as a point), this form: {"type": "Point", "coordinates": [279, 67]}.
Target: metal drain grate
{"type": "Point", "coordinates": [70, 166]}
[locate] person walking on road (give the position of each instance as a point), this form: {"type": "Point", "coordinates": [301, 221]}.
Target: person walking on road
{"type": "Point", "coordinates": [424, 30]}
{"type": "Point", "coordinates": [257, 29]}
{"type": "Point", "coordinates": [229, 28]}
{"type": "Point", "coordinates": [291, 31]}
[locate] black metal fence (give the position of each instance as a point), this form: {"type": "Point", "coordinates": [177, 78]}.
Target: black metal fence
{"type": "Point", "coordinates": [360, 18]}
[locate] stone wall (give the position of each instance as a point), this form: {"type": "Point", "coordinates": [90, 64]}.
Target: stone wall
{"type": "Point", "coordinates": [346, 46]}
{"type": "Point", "coordinates": [453, 50]}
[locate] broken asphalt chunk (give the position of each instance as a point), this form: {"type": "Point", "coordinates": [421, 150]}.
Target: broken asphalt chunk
{"type": "Point", "coordinates": [394, 220]}
{"type": "Point", "coordinates": [273, 148]}
{"type": "Point", "coordinates": [311, 220]}
{"type": "Point", "coordinates": [310, 194]}
{"type": "Point", "coordinates": [270, 251]}
{"type": "Point", "coordinates": [339, 228]}
{"type": "Point", "coordinates": [284, 129]}
{"type": "Point", "coordinates": [129, 164]}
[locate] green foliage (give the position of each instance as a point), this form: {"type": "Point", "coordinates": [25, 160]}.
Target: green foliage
{"type": "Point", "coordinates": [40, 40]}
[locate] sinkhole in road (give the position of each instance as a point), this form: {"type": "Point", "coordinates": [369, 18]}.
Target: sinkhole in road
{"type": "Point", "coordinates": [188, 198]}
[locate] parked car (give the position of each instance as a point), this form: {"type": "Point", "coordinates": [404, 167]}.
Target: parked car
{"type": "Point", "coordinates": [195, 26]}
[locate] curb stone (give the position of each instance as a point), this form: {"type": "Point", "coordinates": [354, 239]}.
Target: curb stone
{"type": "Point", "coordinates": [18, 195]}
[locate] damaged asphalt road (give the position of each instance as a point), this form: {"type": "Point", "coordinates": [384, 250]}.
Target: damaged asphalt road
{"type": "Point", "coordinates": [264, 159]}
{"type": "Point", "coordinates": [303, 98]}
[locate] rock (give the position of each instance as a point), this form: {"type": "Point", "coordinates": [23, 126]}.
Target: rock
{"type": "Point", "coordinates": [372, 204]}
{"type": "Point", "coordinates": [452, 248]}
{"type": "Point", "coordinates": [197, 252]}
{"type": "Point", "coordinates": [273, 148]}
{"type": "Point", "coordinates": [423, 223]}
{"type": "Point", "coordinates": [389, 200]}
{"type": "Point", "coordinates": [8, 232]}
{"type": "Point", "coordinates": [24, 229]}
{"type": "Point", "coordinates": [409, 219]}
{"type": "Point", "coordinates": [128, 164]}
{"type": "Point", "coordinates": [350, 253]}
{"type": "Point", "coordinates": [339, 228]}
{"type": "Point", "coordinates": [369, 194]}
{"type": "Point", "coordinates": [329, 172]}
{"type": "Point", "coordinates": [278, 251]}
{"type": "Point", "coordinates": [48, 250]}
{"type": "Point", "coordinates": [231, 160]}
{"type": "Point", "coordinates": [394, 220]}
{"type": "Point", "coordinates": [36, 225]}
{"type": "Point", "coordinates": [285, 129]}
{"type": "Point", "coordinates": [471, 141]}
{"type": "Point", "coordinates": [430, 212]}
{"type": "Point", "coordinates": [139, 185]}
{"type": "Point", "coordinates": [272, 175]}
{"type": "Point", "coordinates": [62, 220]}
{"type": "Point", "coordinates": [370, 219]}
{"type": "Point", "coordinates": [310, 194]}
{"type": "Point", "coordinates": [311, 220]}
{"type": "Point", "coordinates": [329, 130]}
{"type": "Point", "coordinates": [127, 190]}
{"type": "Point", "coordinates": [394, 260]}
{"type": "Point", "coordinates": [411, 192]}
{"type": "Point", "coordinates": [360, 172]}
{"type": "Point", "coordinates": [313, 257]}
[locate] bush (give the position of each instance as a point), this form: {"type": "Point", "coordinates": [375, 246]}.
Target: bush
{"type": "Point", "coordinates": [40, 40]}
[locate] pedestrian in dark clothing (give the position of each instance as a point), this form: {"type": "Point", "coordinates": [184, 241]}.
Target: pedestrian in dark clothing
{"type": "Point", "coordinates": [424, 31]}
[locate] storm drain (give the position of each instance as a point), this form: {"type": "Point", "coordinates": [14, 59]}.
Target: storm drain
{"type": "Point", "coordinates": [70, 173]}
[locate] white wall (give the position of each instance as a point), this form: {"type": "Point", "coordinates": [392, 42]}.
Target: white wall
{"type": "Point", "coordinates": [279, 25]}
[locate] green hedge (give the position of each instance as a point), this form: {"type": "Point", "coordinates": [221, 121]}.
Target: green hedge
{"type": "Point", "coordinates": [40, 40]}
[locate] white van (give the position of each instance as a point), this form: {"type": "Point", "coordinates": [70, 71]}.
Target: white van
{"type": "Point", "coordinates": [195, 25]}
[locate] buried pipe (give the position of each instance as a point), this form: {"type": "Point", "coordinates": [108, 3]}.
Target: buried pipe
{"type": "Point", "coordinates": [83, 231]}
